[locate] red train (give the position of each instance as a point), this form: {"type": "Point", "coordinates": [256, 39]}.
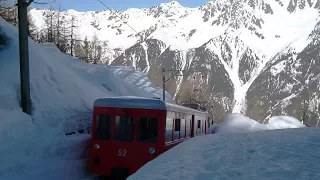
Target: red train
{"type": "Point", "coordinates": [128, 132]}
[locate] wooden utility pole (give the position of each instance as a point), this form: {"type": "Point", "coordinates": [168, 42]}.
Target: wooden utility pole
{"type": "Point", "coordinates": [163, 84]}
{"type": "Point", "coordinates": [24, 55]}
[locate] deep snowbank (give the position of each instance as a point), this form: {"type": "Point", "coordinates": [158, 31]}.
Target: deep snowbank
{"type": "Point", "coordinates": [236, 123]}
{"type": "Point", "coordinates": [282, 155]}
{"type": "Point", "coordinates": [63, 90]}
{"type": "Point", "coordinates": [282, 122]}
{"type": "Point", "coordinates": [247, 155]}
{"type": "Point", "coordinates": [29, 152]}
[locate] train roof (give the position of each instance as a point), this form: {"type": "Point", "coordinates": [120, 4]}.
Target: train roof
{"type": "Point", "coordinates": [141, 103]}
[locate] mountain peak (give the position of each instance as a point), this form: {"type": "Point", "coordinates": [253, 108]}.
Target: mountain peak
{"type": "Point", "coordinates": [173, 3]}
{"type": "Point", "coordinates": [166, 9]}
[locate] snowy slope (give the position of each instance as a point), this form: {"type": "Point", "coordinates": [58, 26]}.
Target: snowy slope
{"type": "Point", "coordinates": [59, 75]}
{"type": "Point", "coordinates": [273, 154]}
{"type": "Point", "coordinates": [63, 90]}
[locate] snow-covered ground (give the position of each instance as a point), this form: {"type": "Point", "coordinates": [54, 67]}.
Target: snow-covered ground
{"type": "Point", "coordinates": [63, 90]}
{"type": "Point", "coordinates": [254, 151]}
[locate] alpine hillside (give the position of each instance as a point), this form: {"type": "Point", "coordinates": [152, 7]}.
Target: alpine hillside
{"type": "Point", "coordinates": [257, 57]}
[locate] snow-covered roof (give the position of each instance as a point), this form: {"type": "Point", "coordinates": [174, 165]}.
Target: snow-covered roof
{"type": "Point", "coordinates": [130, 102]}
{"type": "Point", "coordinates": [141, 103]}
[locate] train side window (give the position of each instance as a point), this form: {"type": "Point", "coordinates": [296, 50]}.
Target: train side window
{"type": "Point", "coordinates": [148, 130]}
{"type": "Point", "coordinates": [183, 128]}
{"type": "Point", "coordinates": [103, 127]}
{"type": "Point", "coordinates": [123, 128]}
{"type": "Point", "coordinates": [188, 127]}
{"type": "Point", "coordinates": [177, 123]}
{"type": "Point", "coordinates": [203, 126]}
{"type": "Point", "coordinates": [169, 124]}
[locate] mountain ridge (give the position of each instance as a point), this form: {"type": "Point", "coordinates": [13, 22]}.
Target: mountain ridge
{"type": "Point", "coordinates": [227, 47]}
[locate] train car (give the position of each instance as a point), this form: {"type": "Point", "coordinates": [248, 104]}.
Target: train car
{"type": "Point", "coordinates": [128, 132]}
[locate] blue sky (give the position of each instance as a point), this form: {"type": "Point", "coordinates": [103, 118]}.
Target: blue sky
{"type": "Point", "coordinates": [94, 5]}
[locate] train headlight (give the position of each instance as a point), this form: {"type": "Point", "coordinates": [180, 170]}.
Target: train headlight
{"type": "Point", "coordinates": [152, 150]}
{"type": "Point", "coordinates": [96, 146]}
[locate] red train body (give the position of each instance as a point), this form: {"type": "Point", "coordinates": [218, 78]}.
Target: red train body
{"type": "Point", "coordinates": [128, 132]}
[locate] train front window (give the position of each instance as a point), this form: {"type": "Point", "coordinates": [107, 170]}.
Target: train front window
{"type": "Point", "coordinates": [103, 127]}
{"type": "Point", "coordinates": [148, 130]}
{"type": "Point", "coordinates": [123, 128]}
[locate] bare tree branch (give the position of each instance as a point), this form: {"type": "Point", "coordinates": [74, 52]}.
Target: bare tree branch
{"type": "Point", "coordinates": [29, 2]}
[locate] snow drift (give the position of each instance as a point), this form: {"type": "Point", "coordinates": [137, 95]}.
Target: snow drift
{"type": "Point", "coordinates": [63, 90]}
{"type": "Point", "coordinates": [282, 155]}
{"type": "Point", "coordinates": [281, 122]}
{"type": "Point", "coordinates": [237, 123]}
{"type": "Point", "coordinates": [250, 154]}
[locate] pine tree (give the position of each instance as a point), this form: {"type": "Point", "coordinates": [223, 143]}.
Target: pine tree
{"type": "Point", "coordinates": [72, 36]}
{"type": "Point", "coordinates": [32, 29]}
{"type": "Point", "coordinates": [58, 28]}
{"type": "Point", "coordinates": [78, 50]}
{"type": "Point", "coordinates": [49, 24]}
{"type": "Point", "coordinates": [95, 50]}
{"type": "Point", "coordinates": [63, 40]}
{"type": "Point", "coordinates": [86, 49]}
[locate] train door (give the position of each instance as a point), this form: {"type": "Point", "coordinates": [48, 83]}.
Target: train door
{"type": "Point", "coordinates": [122, 149]}
{"type": "Point", "coordinates": [148, 138]}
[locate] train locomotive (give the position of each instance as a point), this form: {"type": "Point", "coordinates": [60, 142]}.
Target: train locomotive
{"type": "Point", "coordinates": [128, 132]}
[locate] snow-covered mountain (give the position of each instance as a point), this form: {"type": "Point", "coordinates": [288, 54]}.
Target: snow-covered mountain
{"type": "Point", "coordinates": [238, 54]}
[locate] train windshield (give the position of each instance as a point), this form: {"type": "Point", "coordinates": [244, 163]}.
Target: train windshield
{"type": "Point", "coordinates": [148, 130]}
{"type": "Point", "coordinates": [103, 127]}
{"type": "Point", "coordinates": [124, 128]}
